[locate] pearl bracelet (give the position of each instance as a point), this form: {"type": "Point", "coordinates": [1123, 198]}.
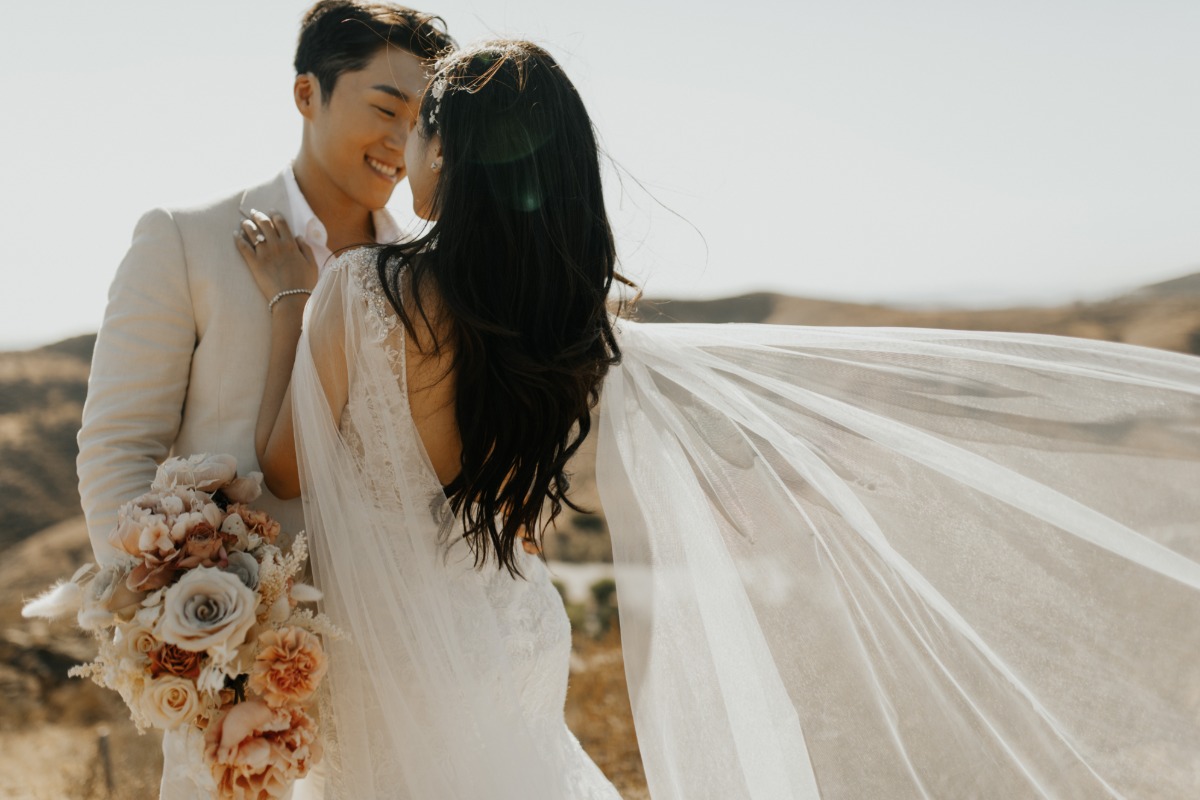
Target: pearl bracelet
{"type": "Point", "coordinates": [283, 294]}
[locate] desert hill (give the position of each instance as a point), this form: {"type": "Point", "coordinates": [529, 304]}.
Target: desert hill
{"type": "Point", "coordinates": [43, 389]}
{"type": "Point", "coordinates": [61, 738]}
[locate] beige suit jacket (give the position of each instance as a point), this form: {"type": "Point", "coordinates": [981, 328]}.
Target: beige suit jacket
{"type": "Point", "coordinates": [180, 361]}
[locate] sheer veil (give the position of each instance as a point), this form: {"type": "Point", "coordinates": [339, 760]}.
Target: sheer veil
{"type": "Point", "coordinates": [906, 563]}
{"type": "Point", "coordinates": [851, 563]}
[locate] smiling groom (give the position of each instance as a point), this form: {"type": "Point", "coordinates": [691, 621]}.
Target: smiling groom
{"type": "Point", "coordinates": [181, 358]}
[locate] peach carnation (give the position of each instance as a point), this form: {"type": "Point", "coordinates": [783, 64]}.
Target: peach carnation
{"type": "Point", "coordinates": [289, 666]}
{"type": "Point", "coordinates": [254, 752]}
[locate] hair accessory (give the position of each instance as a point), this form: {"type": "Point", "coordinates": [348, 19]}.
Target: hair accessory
{"type": "Point", "coordinates": [283, 294]}
{"type": "Point", "coordinates": [438, 90]}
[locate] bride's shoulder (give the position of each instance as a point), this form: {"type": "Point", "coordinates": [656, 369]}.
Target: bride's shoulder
{"type": "Point", "coordinates": [359, 272]}
{"type": "Point", "coordinates": [354, 263]}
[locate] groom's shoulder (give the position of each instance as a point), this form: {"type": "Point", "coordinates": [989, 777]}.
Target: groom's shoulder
{"type": "Point", "coordinates": [222, 209]}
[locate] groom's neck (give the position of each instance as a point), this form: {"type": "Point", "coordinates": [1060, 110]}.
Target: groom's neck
{"type": "Point", "coordinates": [347, 222]}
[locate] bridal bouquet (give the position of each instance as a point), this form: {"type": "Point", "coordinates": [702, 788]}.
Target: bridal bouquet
{"type": "Point", "coordinates": [199, 627]}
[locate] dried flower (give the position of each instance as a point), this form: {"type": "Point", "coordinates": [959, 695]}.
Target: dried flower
{"type": "Point", "coordinates": [207, 610]}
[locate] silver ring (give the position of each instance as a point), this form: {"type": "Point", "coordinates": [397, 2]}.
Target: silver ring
{"type": "Point", "coordinates": [259, 239]}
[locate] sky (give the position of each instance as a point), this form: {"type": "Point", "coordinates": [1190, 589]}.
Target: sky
{"type": "Point", "coordinates": [924, 152]}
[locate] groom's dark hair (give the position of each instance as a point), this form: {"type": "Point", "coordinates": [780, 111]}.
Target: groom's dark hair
{"type": "Point", "coordinates": [339, 36]}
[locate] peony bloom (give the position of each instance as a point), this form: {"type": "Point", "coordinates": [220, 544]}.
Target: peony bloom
{"type": "Point", "coordinates": [172, 660]}
{"type": "Point", "coordinates": [207, 610]}
{"type": "Point", "coordinates": [289, 666]}
{"type": "Point", "coordinates": [201, 471]}
{"type": "Point", "coordinates": [140, 530]}
{"type": "Point", "coordinates": [169, 702]}
{"type": "Point", "coordinates": [255, 752]}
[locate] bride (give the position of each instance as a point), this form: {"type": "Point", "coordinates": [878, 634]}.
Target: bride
{"type": "Point", "coordinates": [852, 563]}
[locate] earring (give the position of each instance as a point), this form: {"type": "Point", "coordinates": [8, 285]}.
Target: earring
{"type": "Point", "coordinates": [435, 166]}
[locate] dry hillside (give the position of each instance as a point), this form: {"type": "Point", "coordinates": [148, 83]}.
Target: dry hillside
{"type": "Point", "coordinates": [68, 739]}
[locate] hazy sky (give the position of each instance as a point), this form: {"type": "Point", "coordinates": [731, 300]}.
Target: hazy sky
{"type": "Point", "coordinates": [916, 151]}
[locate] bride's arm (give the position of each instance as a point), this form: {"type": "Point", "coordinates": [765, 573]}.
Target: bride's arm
{"type": "Point", "coordinates": [279, 263]}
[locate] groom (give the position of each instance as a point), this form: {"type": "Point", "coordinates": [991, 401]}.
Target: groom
{"type": "Point", "coordinates": [181, 358]}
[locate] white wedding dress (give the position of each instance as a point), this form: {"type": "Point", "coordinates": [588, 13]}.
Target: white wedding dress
{"type": "Point", "coordinates": [452, 680]}
{"type": "Point", "coordinates": [851, 563]}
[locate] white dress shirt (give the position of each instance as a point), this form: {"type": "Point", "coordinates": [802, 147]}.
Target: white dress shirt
{"type": "Point", "coordinates": [309, 227]}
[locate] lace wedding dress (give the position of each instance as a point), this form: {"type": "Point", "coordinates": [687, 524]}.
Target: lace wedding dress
{"type": "Point", "coordinates": [851, 563]}
{"type": "Point", "coordinates": [451, 680]}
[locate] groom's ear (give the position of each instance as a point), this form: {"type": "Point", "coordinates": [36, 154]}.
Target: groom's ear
{"type": "Point", "coordinates": [307, 94]}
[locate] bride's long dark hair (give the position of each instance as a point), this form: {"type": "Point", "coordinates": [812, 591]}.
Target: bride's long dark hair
{"type": "Point", "coordinates": [521, 259]}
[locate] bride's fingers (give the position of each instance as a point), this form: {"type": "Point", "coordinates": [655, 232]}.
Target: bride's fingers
{"type": "Point", "coordinates": [280, 223]}
{"type": "Point", "coordinates": [254, 237]}
{"type": "Point", "coordinates": [267, 226]}
{"type": "Point", "coordinates": [246, 247]}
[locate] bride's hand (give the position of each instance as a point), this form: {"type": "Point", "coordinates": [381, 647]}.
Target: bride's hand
{"type": "Point", "coordinates": [278, 260]}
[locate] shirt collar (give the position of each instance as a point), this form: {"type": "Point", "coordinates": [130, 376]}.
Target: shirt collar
{"type": "Point", "coordinates": [306, 223]}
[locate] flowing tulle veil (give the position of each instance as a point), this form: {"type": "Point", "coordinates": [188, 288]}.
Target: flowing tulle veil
{"type": "Point", "coordinates": [902, 563]}
{"type": "Point", "coordinates": [851, 564]}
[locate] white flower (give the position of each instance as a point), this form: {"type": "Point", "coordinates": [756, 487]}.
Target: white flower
{"type": "Point", "coordinates": [212, 676]}
{"type": "Point", "coordinates": [280, 610]}
{"type": "Point", "coordinates": [207, 610]}
{"type": "Point", "coordinates": [133, 645]}
{"type": "Point", "coordinates": [106, 598]}
{"type": "Point", "coordinates": [305, 593]}
{"type": "Point", "coordinates": [202, 471]}
{"type": "Point", "coordinates": [168, 702]}
{"type": "Point", "coordinates": [171, 504]}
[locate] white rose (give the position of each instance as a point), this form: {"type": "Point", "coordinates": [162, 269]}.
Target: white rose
{"type": "Point", "coordinates": [201, 471]}
{"type": "Point", "coordinates": [207, 610]}
{"type": "Point", "coordinates": [169, 702]}
{"type": "Point", "coordinates": [134, 643]}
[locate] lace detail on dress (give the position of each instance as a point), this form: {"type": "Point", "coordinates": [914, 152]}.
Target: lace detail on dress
{"type": "Point", "coordinates": [376, 426]}
{"type": "Point", "coordinates": [364, 275]}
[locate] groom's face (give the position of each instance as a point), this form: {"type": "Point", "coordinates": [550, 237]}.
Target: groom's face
{"type": "Point", "coordinates": [358, 135]}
